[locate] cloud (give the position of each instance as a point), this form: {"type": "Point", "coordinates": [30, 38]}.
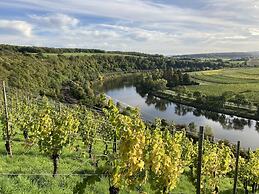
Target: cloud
{"type": "Point", "coordinates": [254, 31]}
{"type": "Point", "coordinates": [143, 25]}
{"type": "Point", "coordinates": [129, 10]}
{"type": "Point", "coordinates": [55, 20]}
{"type": "Point", "coordinates": [245, 12]}
{"type": "Point", "coordinates": [16, 27]}
{"type": "Point", "coordinates": [138, 33]}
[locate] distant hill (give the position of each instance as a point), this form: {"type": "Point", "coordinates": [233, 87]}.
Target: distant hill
{"type": "Point", "coordinates": [232, 55]}
{"type": "Point", "coordinates": [72, 51]}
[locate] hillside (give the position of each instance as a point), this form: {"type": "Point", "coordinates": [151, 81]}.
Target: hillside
{"type": "Point", "coordinates": [49, 71]}
{"type": "Point", "coordinates": [50, 50]}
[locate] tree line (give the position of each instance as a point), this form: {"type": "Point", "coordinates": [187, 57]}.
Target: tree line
{"type": "Point", "coordinates": [163, 79]}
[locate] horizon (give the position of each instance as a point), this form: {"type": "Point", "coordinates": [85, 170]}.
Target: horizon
{"type": "Point", "coordinates": [187, 54]}
{"type": "Point", "coordinates": [147, 26]}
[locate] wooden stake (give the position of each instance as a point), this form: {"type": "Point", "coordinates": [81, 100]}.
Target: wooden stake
{"type": "Point", "coordinates": [199, 164]}
{"type": "Point", "coordinates": [236, 169]}
{"type": "Point", "coordinates": [8, 138]}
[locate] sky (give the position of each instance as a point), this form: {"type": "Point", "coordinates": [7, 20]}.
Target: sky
{"type": "Point", "coordinates": [152, 26]}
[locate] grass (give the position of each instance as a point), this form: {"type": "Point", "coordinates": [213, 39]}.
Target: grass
{"type": "Point", "coordinates": [31, 161]}
{"type": "Point", "coordinates": [239, 80]}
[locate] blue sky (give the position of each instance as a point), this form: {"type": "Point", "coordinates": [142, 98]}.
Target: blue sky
{"type": "Point", "coordinates": [151, 26]}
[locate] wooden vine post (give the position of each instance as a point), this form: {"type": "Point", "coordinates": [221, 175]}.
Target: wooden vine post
{"type": "Point", "coordinates": [236, 169]}
{"type": "Point", "coordinates": [199, 163]}
{"type": "Point", "coordinates": [114, 144]}
{"type": "Point", "coordinates": [8, 146]}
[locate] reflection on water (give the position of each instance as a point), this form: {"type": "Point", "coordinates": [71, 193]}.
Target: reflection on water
{"type": "Point", "coordinates": [224, 126]}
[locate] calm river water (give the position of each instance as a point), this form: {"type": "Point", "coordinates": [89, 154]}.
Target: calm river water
{"type": "Point", "coordinates": [224, 126]}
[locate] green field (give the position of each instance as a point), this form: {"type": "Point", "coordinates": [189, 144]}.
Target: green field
{"type": "Point", "coordinates": [239, 80]}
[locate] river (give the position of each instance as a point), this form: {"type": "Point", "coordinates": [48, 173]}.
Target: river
{"type": "Point", "coordinates": [226, 127]}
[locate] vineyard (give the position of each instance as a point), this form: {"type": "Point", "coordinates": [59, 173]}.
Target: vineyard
{"type": "Point", "coordinates": [110, 149]}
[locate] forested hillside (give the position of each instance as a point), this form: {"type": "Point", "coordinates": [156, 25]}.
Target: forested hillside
{"type": "Point", "coordinates": [50, 71]}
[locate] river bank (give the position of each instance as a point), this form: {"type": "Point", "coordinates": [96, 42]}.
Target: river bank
{"type": "Point", "coordinates": [224, 126]}
{"type": "Point", "coordinates": [229, 110]}
{"type": "Point", "coordinates": [115, 80]}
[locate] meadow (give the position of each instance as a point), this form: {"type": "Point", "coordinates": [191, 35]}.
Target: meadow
{"type": "Point", "coordinates": [239, 80]}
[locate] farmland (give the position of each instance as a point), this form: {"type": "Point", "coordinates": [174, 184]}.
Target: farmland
{"type": "Point", "coordinates": [239, 80]}
{"type": "Point", "coordinates": [233, 91]}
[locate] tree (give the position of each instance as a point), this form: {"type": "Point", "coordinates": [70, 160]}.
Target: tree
{"type": "Point", "coordinates": [180, 75]}
{"type": "Point", "coordinates": [167, 74]}
{"type": "Point", "coordinates": [186, 79]}
{"type": "Point", "coordinates": [156, 74]}
{"type": "Point", "coordinates": [196, 94]}
{"type": "Point", "coordinates": [175, 80]}
{"type": "Point", "coordinates": [159, 84]}
{"type": "Point", "coordinates": [240, 99]}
